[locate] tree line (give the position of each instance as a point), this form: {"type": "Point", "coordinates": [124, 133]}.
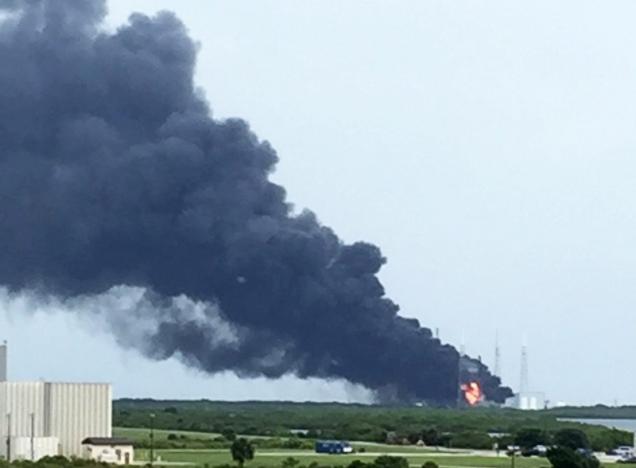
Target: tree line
{"type": "Point", "coordinates": [291, 425]}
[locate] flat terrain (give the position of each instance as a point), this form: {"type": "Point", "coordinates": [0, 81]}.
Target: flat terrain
{"type": "Point", "coordinates": [273, 458]}
{"type": "Point", "coordinates": [137, 434]}
{"type": "Point", "coordinates": [417, 456]}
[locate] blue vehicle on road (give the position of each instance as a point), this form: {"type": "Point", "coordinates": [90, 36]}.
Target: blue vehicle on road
{"type": "Point", "coordinates": [333, 446]}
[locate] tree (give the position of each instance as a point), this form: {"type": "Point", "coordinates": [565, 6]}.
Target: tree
{"type": "Point", "coordinates": [430, 464]}
{"type": "Point", "coordinates": [565, 457]}
{"type": "Point", "coordinates": [289, 462]}
{"type": "Point", "coordinates": [387, 461]}
{"type": "Point", "coordinates": [571, 438]}
{"type": "Point", "coordinates": [472, 439]}
{"type": "Point", "coordinates": [528, 438]}
{"type": "Point", "coordinates": [357, 464]}
{"type": "Point", "coordinates": [241, 451]}
{"type": "Point", "coordinates": [431, 436]}
{"type": "Point", "coordinates": [229, 435]}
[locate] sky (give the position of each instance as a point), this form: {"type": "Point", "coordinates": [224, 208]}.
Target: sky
{"type": "Point", "coordinates": [486, 146]}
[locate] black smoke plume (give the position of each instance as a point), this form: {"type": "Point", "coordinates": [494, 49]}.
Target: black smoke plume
{"type": "Point", "coordinates": [113, 172]}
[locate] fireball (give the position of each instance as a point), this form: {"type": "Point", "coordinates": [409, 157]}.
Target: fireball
{"type": "Point", "coordinates": [472, 393]}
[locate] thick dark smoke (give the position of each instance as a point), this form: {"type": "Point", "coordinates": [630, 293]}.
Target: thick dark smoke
{"type": "Point", "coordinates": [112, 172]}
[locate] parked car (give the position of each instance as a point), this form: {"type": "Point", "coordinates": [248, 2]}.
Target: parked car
{"type": "Point", "coordinates": [537, 451]}
{"type": "Point", "coordinates": [623, 451]}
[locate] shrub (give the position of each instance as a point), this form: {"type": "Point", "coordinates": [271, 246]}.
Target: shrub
{"type": "Point", "coordinates": [571, 438]}
{"type": "Point", "coordinates": [472, 439]}
{"type": "Point", "coordinates": [388, 461]}
{"type": "Point", "coordinates": [290, 462]}
{"type": "Point", "coordinates": [229, 434]}
{"type": "Point", "coordinates": [357, 464]}
{"type": "Point", "coordinates": [565, 457]}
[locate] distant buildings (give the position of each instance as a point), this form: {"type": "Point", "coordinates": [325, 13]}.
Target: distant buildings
{"type": "Point", "coordinates": [527, 401]}
{"type": "Point", "coordinates": [49, 418]}
{"type": "Point", "coordinates": [524, 399]}
{"type": "Point", "coordinates": [108, 450]}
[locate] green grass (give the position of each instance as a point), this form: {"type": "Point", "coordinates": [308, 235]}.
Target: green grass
{"type": "Point", "coordinates": [142, 434]}
{"type": "Point", "coordinates": [273, 458]}
{"type": "Point", "coordinates": [138, 434]}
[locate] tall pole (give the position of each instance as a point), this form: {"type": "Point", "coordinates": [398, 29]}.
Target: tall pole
{"type": "Point", "coordinates": [497, 368]}
{"type": "Point", "coordinates": [523, 383]}
{"type": "Point", "coordinates": [9, 437]}
{"type": "Point", "coordinates": [32, 436]}
{"type": "Point", "coordinates": [152, 438]}
{"type": "Point", "coordinates": [459, 380]}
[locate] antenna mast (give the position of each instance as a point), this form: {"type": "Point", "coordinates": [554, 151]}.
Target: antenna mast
{"type": "Point", "coordinates": [497, 368]}
{"type": "Point", "coordinates": [523, 384]}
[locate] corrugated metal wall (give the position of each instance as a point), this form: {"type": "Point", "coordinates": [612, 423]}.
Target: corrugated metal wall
{"type": "Point", "coordinates": [76, 411]}
{"type": "Point", "coordinates": [3, 362]}
{"type": "Point", "coordinates": [23, 400]}
{"type": "Point", "coordinates": [69, 411]}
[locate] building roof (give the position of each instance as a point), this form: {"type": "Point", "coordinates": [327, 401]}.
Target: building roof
{"type": "Point", "coordinates": [106, 441]}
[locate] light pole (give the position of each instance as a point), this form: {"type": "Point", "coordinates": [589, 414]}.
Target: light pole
{"type": "Point", "coordinates": [32, 437]}
{"type": "Point", "coordinates": [152, 438]}
{"type": "Point", "coordinates": [9, 437]}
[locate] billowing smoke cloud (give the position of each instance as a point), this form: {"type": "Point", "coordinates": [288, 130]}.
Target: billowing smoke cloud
{"type": "Point", "coordinates": [113, 173]}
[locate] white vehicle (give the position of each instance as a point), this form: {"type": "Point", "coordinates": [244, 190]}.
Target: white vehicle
{"type": "Point", "coordinates": [624, 451]}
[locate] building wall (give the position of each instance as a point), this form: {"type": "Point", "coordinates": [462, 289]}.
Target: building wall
{"type": "Point", "coordinates": [77, 411]}
{"type": "Point", "coordinates": [118, 454]}
{"type": "Point", "coordinates": [3, 362]}
{"type": "Point", "coordinates": [27, 448]}
{"type": "Point", "coordinates": [527, 401]}
{"type": "Point", "coordinates": [24, 402]}
{"type": "Point", "coordinates": [69, 412]}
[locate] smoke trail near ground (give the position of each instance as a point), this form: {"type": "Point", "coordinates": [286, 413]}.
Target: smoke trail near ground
{"type": "Point", "coordinates": [113, 173]}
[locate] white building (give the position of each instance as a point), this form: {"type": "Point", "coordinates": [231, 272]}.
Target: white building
{"type": "Point", "coordinates": [115, 450]}
{"type": "Point", "coordinates": [48, 418]}
{"type": "Point", "coordinates": [527, 401]}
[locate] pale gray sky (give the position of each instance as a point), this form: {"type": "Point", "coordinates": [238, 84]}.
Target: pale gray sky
{"type": "Point", "coordinates": [487, 146]}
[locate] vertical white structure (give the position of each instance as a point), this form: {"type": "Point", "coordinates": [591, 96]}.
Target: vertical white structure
{"type": "Point", "coordinates": [46, 418]}
{"type": "Point", "coordinates": [497, 367]}
{"type": "Point", "coordinates": [76, 411]}
{"type": "Point", "coordinates": [21, 400]}
{"type": "Point", "coordinates": [523, 383]}
{"type": "Point", "coordinates": [3, 362]}
{"type": "Point", "coordinates": [65, 412]}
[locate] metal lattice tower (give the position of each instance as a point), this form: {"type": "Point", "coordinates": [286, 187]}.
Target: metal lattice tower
{"type": "Point", "coordinates": [497, 367]}
{"type": "Point", "coordinates": [523, 384]}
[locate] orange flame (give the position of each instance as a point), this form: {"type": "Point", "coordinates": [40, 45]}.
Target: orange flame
{"type": "Point", "coordinates": [472, 393]}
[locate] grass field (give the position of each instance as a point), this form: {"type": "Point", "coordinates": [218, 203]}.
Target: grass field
{"type": "Point", "coordinates": [416, 456]}
{"type": "Point", "coordinates": [274, 458]}
{"type": "Point", "coordinates": [136, 434]}
{"type": "Point", "coordinates": [142, 434]}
